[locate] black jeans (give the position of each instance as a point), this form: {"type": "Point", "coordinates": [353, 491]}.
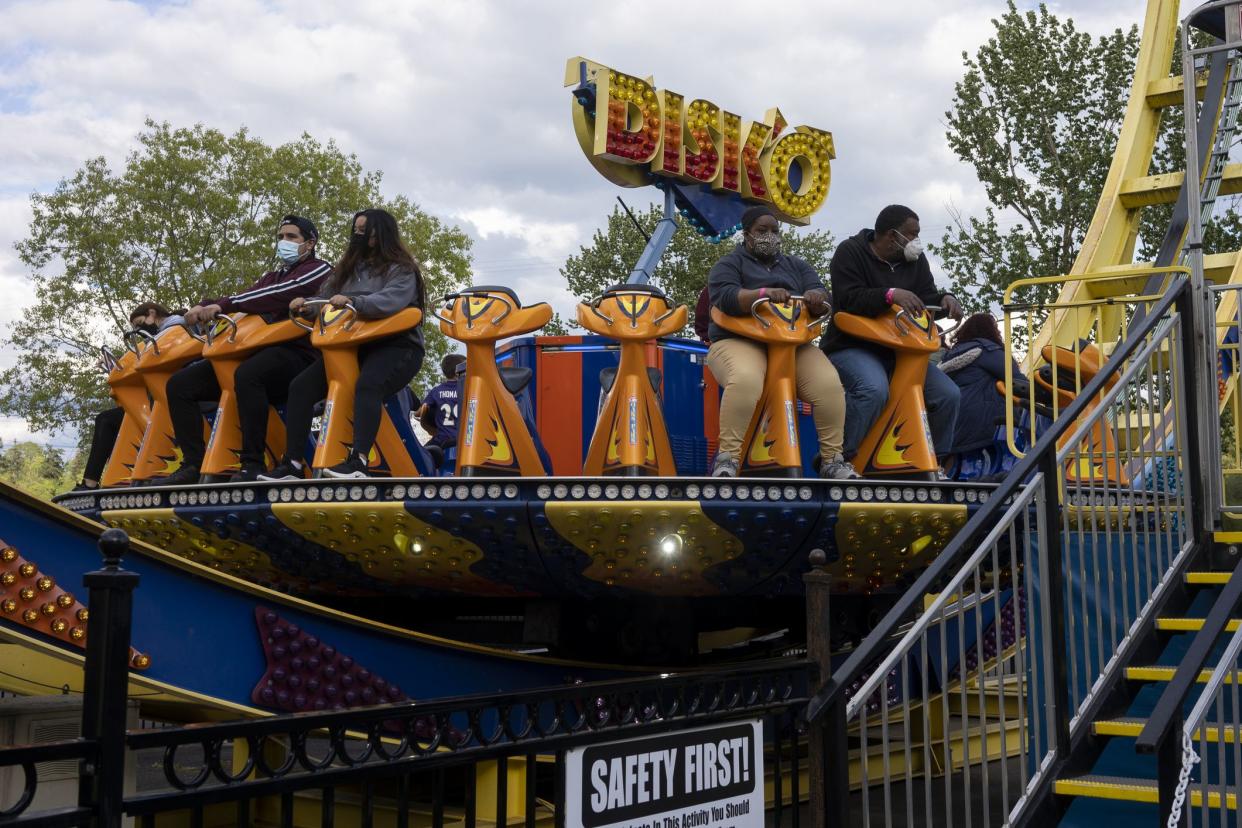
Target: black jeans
{"type": "Point", "coordinates": [262, 380]}
{"type": "Point", "coordinates": [107, 427]}
{"type": "Point", "coordinates": [384, 368]}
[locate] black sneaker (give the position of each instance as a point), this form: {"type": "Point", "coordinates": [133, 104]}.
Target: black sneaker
{"type": "Point", "coordinates": [248, 473]}
{"type": "Point", "coordinates": [183, 476]}
{"type": "Point", "coordinates": [355, 465]}
{"type": "Point", "coordinates": [286, 469]}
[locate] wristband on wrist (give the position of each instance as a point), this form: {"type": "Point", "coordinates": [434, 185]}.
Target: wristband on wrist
{"type": "Point", "coordinates": [888, 297]}
{"type": "Point", "coordinates": [763, 292]}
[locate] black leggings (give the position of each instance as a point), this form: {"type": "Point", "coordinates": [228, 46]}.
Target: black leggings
{"type": "Point", "coordinates": [107, 428]}
{"type": "Point", "coordinates": [384, 368]}
{"type": "Point", "coordinates": [262, 380]}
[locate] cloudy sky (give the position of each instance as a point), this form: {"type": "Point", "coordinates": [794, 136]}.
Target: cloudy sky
{"type": "Point", "coordinates": [460, 102]}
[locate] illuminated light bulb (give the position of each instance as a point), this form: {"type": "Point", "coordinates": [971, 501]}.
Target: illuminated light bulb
{"type": "Point", "coordinates": [83, 615]}
{"type": "Point", "coordinates": [59, 625]}
{"type": "Point", "coordinates": [27, 570]}
{"type": "Point", "coordinates": [142, 661]}
{"type": "Point", "coordinates": [77, 633]}
{"type": "Point", "coordinates": [8, 579]}
{"type": "Point", "coordinates": [26, 593]}
{"type": "Point", "coordinates": [8, 605]}
{"type": "Point", "coordinates": [9, 554]}
{"type": "Point", "coordinates": [45, 583]}
{"type": "Point", "coordinates": [49, 608]}
{"type": "Point", "coordinates": [30, 616]}
{"type": "Point", "coordinates": [671, 544]}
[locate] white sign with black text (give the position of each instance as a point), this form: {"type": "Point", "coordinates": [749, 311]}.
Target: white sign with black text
{"type": "Point", "coordinates": [707, 777]}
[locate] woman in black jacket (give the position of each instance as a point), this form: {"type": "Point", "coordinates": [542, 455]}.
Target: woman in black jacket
{"type": "Point", "coordinates": [976, 362]}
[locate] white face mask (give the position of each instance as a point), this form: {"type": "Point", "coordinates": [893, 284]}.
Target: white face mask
{"type": "Point", "coordinates": [913, 247]}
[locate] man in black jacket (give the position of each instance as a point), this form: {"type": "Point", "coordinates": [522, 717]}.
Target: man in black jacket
{"type": "Point", "coordinates": [871, 272]}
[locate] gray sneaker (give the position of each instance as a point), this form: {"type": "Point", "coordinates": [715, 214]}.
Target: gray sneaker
{"type": "Point", "coordinates": [724, 465]}
{"type": "Point", "coordinates": [838, 468]}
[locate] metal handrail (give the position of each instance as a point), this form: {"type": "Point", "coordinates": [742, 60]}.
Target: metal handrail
{"type": "Point", "coordinates": [951, 559]}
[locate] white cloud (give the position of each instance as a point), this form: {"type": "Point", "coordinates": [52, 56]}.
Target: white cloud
{"type": "Point", "coordinates": [461, 103]}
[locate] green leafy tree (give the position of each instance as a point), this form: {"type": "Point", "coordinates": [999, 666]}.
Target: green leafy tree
{"type": "Point", "coordinates": [682, 271]}
{"type": "Point", "coordinates": [36, 469]}
{"type": "Point", "coordinates": [1036, 114]}
{"type": "Point", "coordinates": [191, 214]}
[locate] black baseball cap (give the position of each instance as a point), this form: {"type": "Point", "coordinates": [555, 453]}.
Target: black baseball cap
{"type": "Point", "coordinates": [303, 224]}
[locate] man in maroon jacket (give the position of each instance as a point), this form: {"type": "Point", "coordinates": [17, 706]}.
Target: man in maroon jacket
{"type": "Point", "coordinates": [264, 378]}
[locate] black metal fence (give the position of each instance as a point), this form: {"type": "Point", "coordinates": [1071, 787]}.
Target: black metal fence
{"type": "Point", "coordinates": [421, 762]}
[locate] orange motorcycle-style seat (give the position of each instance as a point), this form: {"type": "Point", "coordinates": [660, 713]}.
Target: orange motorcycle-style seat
{"type": "Point", "coordinates": [630, 435]}
{"type": "Point", "coordinates": [160, 357]}
{"type": "Point", "coordinates": [493, 437]}
{"type": "Point", "coordinates": [1099, 459]}
{"type": "Point", "coordinates": [899, 442]}
{"type": "Point", "coordinates": [230, 340]}
{"type": "Point", "coordinates": [130, 393]}
{"type": "Point", "coordinates": [771, 446]}
{"type": "Point", "coordinates": [338, 333]}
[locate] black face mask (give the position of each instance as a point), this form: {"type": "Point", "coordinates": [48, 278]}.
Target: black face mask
{"type": "Point", "coordinates": [358, 241]}
{"type": "Point", "coordinates": [151, 329]}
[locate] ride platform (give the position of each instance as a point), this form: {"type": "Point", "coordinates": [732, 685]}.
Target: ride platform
{"type": "Point", "coordinates": [548, 537]}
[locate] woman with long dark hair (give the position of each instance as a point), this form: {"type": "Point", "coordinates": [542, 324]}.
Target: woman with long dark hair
{"type": "Point", "coordinates": [149, 317]}
{"type": "Point", "coordinates": [976, 362]}
{"type": "Point", "coordinates": [379, 277]}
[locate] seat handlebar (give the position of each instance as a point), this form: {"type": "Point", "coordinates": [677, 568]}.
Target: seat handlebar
{"type": "Point", "coordinates": [211, 329]}
{"type": "Point", "coordinates": [754, 307]}
{"type": "Point", "coordinates": [129, 336]}
{"type": "Point", "coordinates": [466, 294]}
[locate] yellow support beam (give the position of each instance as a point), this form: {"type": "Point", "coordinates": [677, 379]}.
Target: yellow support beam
{"type": "Point", "coordinates": [1111, 236]}
{"type": "Point", "coordinates": [1146, 190]}
{"type": "Point", "coordinates": [1168, 91]}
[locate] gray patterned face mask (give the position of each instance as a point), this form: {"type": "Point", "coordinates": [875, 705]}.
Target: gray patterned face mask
{"type": "Point", "coordinates": [766, 245]}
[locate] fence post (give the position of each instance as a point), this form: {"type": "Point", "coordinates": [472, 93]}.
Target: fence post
{"type": "Point", "coordinates": [1052, 587]}
{"type": "Point", "coordinates": [106, 681]}
{"type": "Point", "coordinates": [1169, 770]}
{"type": "Point", "coordinates": [1194, 470]}
{"type": "Point", "coordinates": [827, 749]}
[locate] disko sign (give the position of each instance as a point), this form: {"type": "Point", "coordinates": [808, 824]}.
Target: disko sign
{"type": "Point", "coordinates": [708, 777]}
{"type": "Point", "coordinates": [630, 131]}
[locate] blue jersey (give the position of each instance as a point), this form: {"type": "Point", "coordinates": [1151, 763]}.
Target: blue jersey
{"type": "Point", "coordinates": [443, 402]}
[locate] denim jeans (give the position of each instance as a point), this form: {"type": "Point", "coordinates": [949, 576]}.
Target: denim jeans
{"type": "Point", "coordinates": [865, 373]}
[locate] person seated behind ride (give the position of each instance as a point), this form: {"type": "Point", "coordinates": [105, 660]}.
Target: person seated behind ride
{"type": "Point", "coordinates": [703, 315]}
{"type": "Point", "coordinates": [438, 414]}
{"type": "Point", "coordinates": [379, 277]}
{"type": "Point", "coordinates": [263, 379]}
{"type": "Point", "coordinates": [871, 272]}
{"type": "Point", "coordinates": [754, 270]}
{"type": "Point", "coordinates": [151, 318]}
{"type": "Point", "coordinates": [975, 363]}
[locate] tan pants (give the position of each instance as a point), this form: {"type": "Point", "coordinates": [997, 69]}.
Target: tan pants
{"type": "Point", "coordinates": [739, 366]}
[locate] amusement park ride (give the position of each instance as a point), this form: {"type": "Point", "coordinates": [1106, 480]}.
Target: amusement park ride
{"type": "Point", "coordinates": [576, 500]}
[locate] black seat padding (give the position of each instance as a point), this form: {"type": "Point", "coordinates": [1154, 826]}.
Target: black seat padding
{"type": "Point", "coordinates": [495, 289]}
{"type": "Point", "coordinates": [627, 287]}
{"type": "Point", "coordinates": [609, 375]}
{"type": "Point", "coordinates": [515, 379]}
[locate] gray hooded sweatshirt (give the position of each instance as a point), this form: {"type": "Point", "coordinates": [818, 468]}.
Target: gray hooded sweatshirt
{"type": "Point", "coordinates": [381, 292]}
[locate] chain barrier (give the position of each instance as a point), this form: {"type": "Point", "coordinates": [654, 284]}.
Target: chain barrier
{"type": "Point", "coordinates": [1189, 760]}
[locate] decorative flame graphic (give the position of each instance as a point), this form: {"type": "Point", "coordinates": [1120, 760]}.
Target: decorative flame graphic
{"type": "Point", "coordinates": [501, 453]}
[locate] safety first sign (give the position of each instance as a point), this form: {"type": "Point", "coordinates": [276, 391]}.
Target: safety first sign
{"type": "Point", "coordinates": [709, 777]}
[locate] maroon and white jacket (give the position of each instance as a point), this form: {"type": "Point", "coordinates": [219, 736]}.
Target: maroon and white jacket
{"type": "Point", "coordinates": [271, 295]}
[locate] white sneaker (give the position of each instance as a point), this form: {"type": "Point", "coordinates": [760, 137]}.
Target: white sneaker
{"type": "Point", "coordinates": [724, 465]}
{"type": "Point", "coordinates": [838, 468]}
